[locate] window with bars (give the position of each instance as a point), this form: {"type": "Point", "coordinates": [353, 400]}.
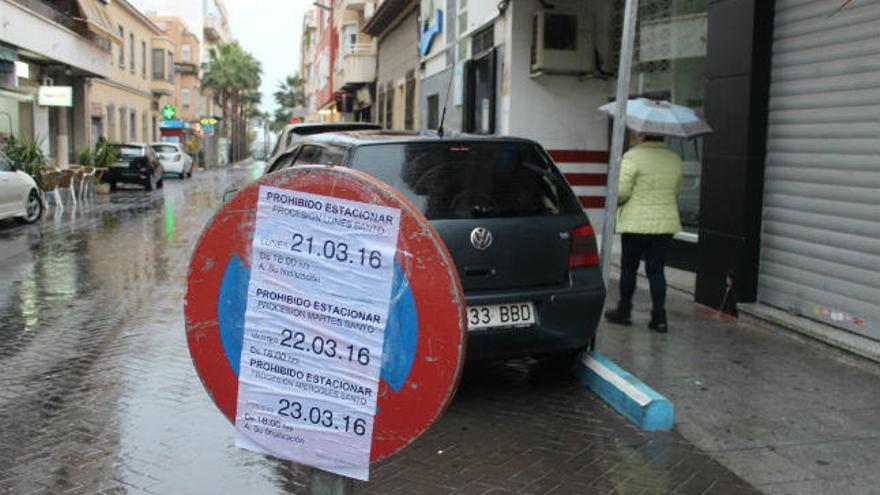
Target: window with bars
{"type": "Point", "coordinates": [483, 41]}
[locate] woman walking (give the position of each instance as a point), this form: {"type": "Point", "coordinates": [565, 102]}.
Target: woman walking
{"type": "Point", "coordinates": [647, 217]}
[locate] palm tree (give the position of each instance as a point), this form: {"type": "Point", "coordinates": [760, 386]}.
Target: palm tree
{"type": "Point", "coordinates": [290, 94]}
{"type": "Point", "coordinates": [230, 71]}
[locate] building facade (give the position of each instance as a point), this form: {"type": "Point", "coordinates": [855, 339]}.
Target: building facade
{"type": "Point", "coordinates": [125, 107]}
{"type": "Point", "coordinates": [187, 60]}
{"type": "Point", "coordinates": [355, 65]}
{"type": "Point", "coordinates": [209, 22]}
{"type": "Point", "coordinates": [54, 50]}
{"type": "Point", "coordinates": [325, 60]}
{"type": "Point", "coordinates": [395, 25]}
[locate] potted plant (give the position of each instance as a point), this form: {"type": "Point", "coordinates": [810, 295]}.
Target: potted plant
{"type": "Point", "coordinates": [29, 155]}
{"type": "Point", "coordinates": [104, 155]}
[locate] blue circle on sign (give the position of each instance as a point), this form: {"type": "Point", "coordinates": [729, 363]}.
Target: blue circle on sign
{"type": "Point", "coordinates": [401, 329]}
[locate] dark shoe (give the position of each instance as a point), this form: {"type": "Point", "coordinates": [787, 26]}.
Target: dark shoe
{"type": "Point", "coordinates": [620, 315]}
{"type": "Point", "coordinates": [658, 322]}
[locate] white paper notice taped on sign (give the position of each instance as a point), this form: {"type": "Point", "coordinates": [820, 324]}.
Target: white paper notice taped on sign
{"type": "Point", "coordinates": [318, 298]}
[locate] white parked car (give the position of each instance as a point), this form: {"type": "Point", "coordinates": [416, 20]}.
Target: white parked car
{"type": "Point", "coordinates": [174, 159]}
{"type": "Point", "coordinates": [19, 195]}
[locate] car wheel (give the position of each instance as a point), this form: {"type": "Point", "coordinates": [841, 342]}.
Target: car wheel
{"type": "Point", "coordinates": [33, 209]}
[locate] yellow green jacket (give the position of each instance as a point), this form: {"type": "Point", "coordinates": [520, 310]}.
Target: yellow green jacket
{"type": "Point", "coordinates": [650, 180]}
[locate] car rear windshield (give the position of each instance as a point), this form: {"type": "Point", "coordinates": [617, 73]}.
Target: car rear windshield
{"type": "Point", "coordinates": [164, 148]}
{"type": "Point", "coordinates": [129, 151]}
{"type": "Point", "coordinates": [454, 180]}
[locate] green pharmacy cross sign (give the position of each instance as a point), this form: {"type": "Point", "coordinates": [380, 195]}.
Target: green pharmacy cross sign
{"type": "Point", "coordinates": [168, 112]}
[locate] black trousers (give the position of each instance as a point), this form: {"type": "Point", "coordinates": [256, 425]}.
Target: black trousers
{"type": "Point", "coordinates": [651, 247]}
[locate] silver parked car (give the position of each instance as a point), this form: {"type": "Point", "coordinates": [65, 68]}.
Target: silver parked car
{"type": "Point", "coordinates": [173, 159]}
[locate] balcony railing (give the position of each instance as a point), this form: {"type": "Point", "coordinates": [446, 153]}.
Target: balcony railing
{"type": "Point", "coordinates": [352, 4]}
{"type": "Point", "coordinates": [55, 15]}
{"type": "Point", "coordinates": [355, 64]}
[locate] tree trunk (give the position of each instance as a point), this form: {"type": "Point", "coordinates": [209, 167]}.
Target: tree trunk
{"type": "Point", "coordinates": [235, 123]}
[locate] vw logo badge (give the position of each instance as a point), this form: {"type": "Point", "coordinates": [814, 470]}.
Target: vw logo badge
{"type": "Point", "coordinates": [481, 238]}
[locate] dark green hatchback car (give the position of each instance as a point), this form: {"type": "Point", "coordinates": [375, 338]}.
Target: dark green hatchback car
{"type": "Point", "coordinates": [524, 248]}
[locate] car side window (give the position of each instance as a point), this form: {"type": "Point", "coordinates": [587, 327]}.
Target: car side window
{"type": "Point", "coordinates": [6, 164]}
{"type": "Point", "coordinates": [310, 155]}
{"type": "Point", "coordinates": [332, 157]}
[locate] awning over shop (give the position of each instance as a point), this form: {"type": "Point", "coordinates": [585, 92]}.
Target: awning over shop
{"type": "Point", "coordinates": [97, 18]}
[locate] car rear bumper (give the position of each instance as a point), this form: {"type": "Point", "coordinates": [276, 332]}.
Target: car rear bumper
{"type": "Point", "coordinates": [127, 175]}
{"type": "Point", "coordinates": [173, 167]}
{"type": "Point", "coordinates": [566, 320]}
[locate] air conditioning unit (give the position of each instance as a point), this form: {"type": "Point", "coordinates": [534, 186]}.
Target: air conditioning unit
{"type": "Point", "coordinates": [562, 43]}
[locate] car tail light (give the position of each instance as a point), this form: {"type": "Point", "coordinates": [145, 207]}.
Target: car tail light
{"type": "Point", "coordinates": [584, 251]}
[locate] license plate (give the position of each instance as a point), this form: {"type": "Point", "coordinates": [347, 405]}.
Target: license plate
{"type": "Point", "coordinates": [520, 314]}
{"type": "Point", "coordinates": [120, 164]}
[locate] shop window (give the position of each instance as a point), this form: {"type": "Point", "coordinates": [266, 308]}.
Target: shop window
{"type": "Point", "coordinates": [669, 64]}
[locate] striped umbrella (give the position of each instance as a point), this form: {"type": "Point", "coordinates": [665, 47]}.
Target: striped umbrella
{"type": "Point", "coordinates": [660, 117]}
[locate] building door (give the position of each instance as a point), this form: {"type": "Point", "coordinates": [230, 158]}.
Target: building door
{"type": "Point", "coordinates": [480, 76]}
{"type": "Point", "coordinates": [97, 131]}
{"type": "Point", "coordinates": [820, 240]}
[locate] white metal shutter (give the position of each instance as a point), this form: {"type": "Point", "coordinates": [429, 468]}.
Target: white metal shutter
{"type": "Point", "coordinates": [820, 246]}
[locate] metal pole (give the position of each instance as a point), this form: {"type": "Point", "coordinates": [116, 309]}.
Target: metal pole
{"type": "Point", "coordinates": [630, 16]}
{"type": "Point", "coordinates": [324, 483]}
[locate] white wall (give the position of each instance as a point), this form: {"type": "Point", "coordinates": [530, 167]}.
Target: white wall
{"type": "Point", "coordinates": [18, 25]}
{"type": "Point", "coordinates": [560, 112]}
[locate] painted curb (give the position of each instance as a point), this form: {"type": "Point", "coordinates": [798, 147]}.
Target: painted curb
{"type": "Point", "coordinates": [647, 409]}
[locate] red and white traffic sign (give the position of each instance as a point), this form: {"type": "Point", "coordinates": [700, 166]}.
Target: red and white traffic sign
{"type": "Point", "coordinates": [294, 311]}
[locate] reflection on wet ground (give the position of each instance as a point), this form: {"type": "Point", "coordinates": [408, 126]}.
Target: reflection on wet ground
{"type": "Point", "coordinates": [98, 393]}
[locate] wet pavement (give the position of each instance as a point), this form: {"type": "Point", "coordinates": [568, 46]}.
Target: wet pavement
{"type": "Point", "coordinates": [98, 394]}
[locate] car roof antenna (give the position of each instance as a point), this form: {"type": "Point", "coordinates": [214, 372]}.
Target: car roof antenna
{"type": "Point", "coordinates": [446, 102]}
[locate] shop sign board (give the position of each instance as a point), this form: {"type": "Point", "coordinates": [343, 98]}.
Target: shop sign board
{"type": "Point", "coordinates": [55, 96]}
{"type": "Point", "coordinates": [325, 318]}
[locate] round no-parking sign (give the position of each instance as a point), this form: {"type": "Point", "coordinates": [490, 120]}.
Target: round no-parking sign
{"type": "Point", "coordinates": [325, 318]}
